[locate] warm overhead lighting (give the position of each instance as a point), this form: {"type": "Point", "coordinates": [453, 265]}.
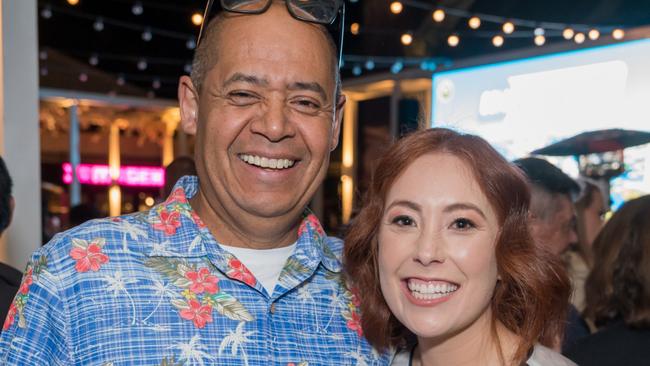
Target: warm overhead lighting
{"type": "Point", "coordinates": [508, 27]}
{"type": "Point", "coordinates": [540, 40]}
{"type": "Point", "coordinates": [197, 19]}
{"type": "Point", "coordinates": [407, 39]}
{"type": "Point", "coordinates": [474, 22]}
{"type": "Point", "coordinates": [438, 15]}
{"type": "Point", "coordinates": [568, 33]}
{"type": "Point", "coordinates": [497, 41]}
{"type": "Point", "coordinates": [73, 2]}
{"type": "Point", "coordinates": [594, 34]}
{"type": "Point", "coordinates": [396, 7]}
{"type": "Point", "coordinates": [354, 28]}
{"type": "Point", "coordinates": [618, 34]}
{"type": "Point", "coordinates": [579, 38]}
{"type": "Point", "coordinates": [453, 40]}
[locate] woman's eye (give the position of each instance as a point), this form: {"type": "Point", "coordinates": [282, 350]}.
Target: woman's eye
{"type": "Point", "coordinates": [403, 221]}
{"type": "Point", "coordinates": [463, 224]}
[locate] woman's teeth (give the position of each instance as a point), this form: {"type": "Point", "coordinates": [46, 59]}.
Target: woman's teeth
{"type": "Point", "coordinates": [266, 163]}
{"type": "Point", "coordinates": [429, 290]}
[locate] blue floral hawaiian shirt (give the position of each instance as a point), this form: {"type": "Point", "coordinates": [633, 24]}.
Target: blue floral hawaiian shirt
{"type": "Point", "coordinates": [155, 288]}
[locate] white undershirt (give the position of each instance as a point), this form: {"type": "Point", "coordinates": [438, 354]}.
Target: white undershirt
{"type": "Point", "coordinates": [265, 264]}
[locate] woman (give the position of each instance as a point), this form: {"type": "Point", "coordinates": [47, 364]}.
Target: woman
{"type": "Point", "coordinates": [618, 291]}
{"type": "Point", "coordinates": [441, 251]}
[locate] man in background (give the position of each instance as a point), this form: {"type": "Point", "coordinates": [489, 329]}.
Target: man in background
{"type": "Point", "coordinates": [9, 276]}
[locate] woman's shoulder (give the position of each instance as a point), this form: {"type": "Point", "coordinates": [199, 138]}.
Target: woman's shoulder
{"type": "Point", "coordinates": [543, 356]}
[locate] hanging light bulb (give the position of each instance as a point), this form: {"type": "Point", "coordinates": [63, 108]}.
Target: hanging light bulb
{"type": "Point", "coordinates": [137, 8]}
{"type": "Point", "coordinates": [46, 13]}
{"type": "Point", "coordinates": [540, 40]}
{"type": "Point", "coordinates": [73, 2]}
{"type": "Point", "coordinates": [120, 80]}
{"type": "Point", "coordinates": [579, 38]}
{"type": "Point", "coordinates": [438, 15]}
{"type": "Point", "coordinates": [497, 41]}
{"type": "Point", "coordinates": [356, 70]}
{"type": "Point", "coordinates": [83, 77]}
{"type": "Point", "coordinates": [99, 25]}
{"type": "Point", "coordinates": [156, 84]}
{"type": "Point", "coordinates": [568, 33]}
{"type": "Point", "coordinates": [190, 44]}
{"type": "Point", "coordinates": [594, 34]}
{"type": "Point", "coordinates": [187, 68]}
{"type": "Point", "coordinates": [397, 67]}
{"type": "Point", "coordinates": [396, 7]}
{"type": "Point", "coordinates": [453, 40]}
{"type": "Point", "coordinates": [407, 39]}
{"type": "Point", "coordinates": [93, 60]}
{"type": "Point", "coordinates": [146, 35]}
{"type": "Point", "coordinates": [142, 64]}
{"type": "Point", "coordinates": [370, 64]}
{"type": "Point", "coordinates": [508, 27]}
{"type": "Point", "coordinates": [474, 22]}
{"type": "Point", "coordinates": [618, 34]}
{"type": "Point", "coordinates": [197, 18]}
{"type": "Point", "coordinates": [354, 28]}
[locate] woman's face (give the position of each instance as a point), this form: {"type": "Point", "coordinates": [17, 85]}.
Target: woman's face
{"type": "Point", "coordinates": [437, 236]}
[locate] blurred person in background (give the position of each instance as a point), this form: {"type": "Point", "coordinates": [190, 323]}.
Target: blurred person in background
{"type": "Point", "coordinates": [553, 223]}
{"type": "Point", "coordinates": [9, 276]}
{"type": "Point", "coordinates": [590, 215]}
{"type": "Point", "coordinates": [178, 168]}
{"type": "Point", "coordinates": [618, 291]}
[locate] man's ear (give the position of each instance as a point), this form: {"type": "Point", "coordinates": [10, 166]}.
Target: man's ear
{"type": "Point", "coordinates": [338, 121]}
{"type": "Point", "coordinates": [188, 100]}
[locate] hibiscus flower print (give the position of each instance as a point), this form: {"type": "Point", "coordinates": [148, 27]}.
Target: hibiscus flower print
{"type": "Point", "coordinates": [88, 255]}
{"type": "Point", "coordinates": [202, 281]}
{"type": "Point", "coordinates": [197, 220]}
{"type": "Point", "coordinates": [354, 323]}
{"type": "Point", "coordinates": [27, 281]}
{"type": "Point", "coordinates": [238, 271]}
{"type": "Point", "coordinates": [313, 222]}
{"type": "Point", "coordinates": [11, 317]}
{"type": "Point", "coordinates": [169, 222]}
{"type": "Point", "coordinates": [177, 196]}
{"type": "Point", "coordinates": [197, 313]}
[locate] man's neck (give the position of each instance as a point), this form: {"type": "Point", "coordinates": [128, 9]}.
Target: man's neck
{"type": "Point", "coordinates": [245, 230]}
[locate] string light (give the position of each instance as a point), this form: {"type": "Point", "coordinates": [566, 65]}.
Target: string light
{"type": "Point", "coordinates": [187, 68]}
{"type": "Point", "coordinates": [407, 39]}
{"type": "Point", "coordinates": [120, 80]}
{"type": "Point", "coordinates": [190, 44]}
{"type": "Point", "coordinates": [438, 15]}
{"type": "Point", "coordinates": [356, 70]}
{"type": "Point", "coordinates": [73, 2]}
{"type": "Point", "coordinates": [42, 55]}
{"type": "Point", "coordinates": [370, 64]}
{"type": "Point", "coordinates": [146, 35]}
{"type": "Point", "coordinates": [618, 34]}
{"type": "Point", "coordinates": [579, 38]}
{"type": "Point", "coordinates": [453, 40]}
{"type": "Point", "coordinates": [396, 7]}
{"type": "Point", "coordinates": [354, 28]}
{"type": "Point", "coordinates": [568, 33]}
{"type": "Point", "coordinates": [83, 77]}
{"type": "Point", "coordinates": [142, 64]}
{"type": "Point", "coordinates": [540, 40]}
{"type": "Point", "coordinates": [474, 22]}
{"type": "Point", "coordinates": [156, 84]}
{"type": "Point", "coordinates": [594, 34]}
{"type": "Point", "coordinates": [497, 41]}
{"type": "Point", "coordinates": [93, 60]}
{"type": "Point", "coordinates": [197, 19]}
{"type": "Point", "coordinates": [508, 27]}
{"type": "Point", "coordinates": [137, 8]}
{"type": "Point", "coordinates": [98, 25]}
{"type": "Point", "coordinates": [44, 71]}
{"type": "Point", "coordinates": [397, 67]}
{"type": "Point", "coordinates": [46, 13]}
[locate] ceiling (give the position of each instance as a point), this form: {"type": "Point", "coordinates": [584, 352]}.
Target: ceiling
{"type": "Point", "coordinates": [106, 47]}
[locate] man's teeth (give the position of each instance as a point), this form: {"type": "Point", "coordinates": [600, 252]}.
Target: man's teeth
{"type": "Point", "coordinates": [263, 162]}
{"type": "Point", "coordinates": [430, 291]}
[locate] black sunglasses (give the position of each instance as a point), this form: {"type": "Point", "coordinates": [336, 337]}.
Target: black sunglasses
{"type": "Point", "coordinates": [313, 11]}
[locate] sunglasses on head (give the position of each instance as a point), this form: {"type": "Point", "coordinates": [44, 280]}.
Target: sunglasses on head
{"type": "Point", "coordinates": [322, 12]}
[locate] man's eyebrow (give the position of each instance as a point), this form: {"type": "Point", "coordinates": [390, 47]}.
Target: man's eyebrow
{"type": "Point", "coordinates": [250, 79]}
{"type": "Point", "coordinates": [312, 86]}
{"type": "Point", "coordinates": [464, 206]}
{"type": "Point", "coordinates": [410, 204]}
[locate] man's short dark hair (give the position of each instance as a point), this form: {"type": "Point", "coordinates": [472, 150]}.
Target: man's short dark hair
{"type": "Point", "coordinates": [5, 196]}
{"type": "Point", "coordinates": [547, 176]}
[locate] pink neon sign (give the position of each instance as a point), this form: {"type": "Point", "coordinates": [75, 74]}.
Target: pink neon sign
{"type": "Point", "coordinates": [133, 176]}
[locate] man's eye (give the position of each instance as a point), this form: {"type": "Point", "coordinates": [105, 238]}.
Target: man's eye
{"type": "Point", "coordinates": [403, 220]}
{"type": "Point", "coordinates": [242, 98]}
{"type": "Point", "coordinates": [463, 224]}
{"type": "Point", "coordinates": [306, 105]}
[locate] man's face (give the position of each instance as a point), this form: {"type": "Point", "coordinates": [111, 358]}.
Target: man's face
{"type": "Point", "coordinates": [558, 230]}
{"type": "Point", "coordinates": [267, 119]}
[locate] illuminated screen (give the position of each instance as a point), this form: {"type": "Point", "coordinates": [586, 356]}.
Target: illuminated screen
{"type": "Point", "coordinates": [523, 105]}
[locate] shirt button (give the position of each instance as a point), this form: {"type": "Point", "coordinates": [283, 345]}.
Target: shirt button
{"type": "Point", "coordinates": [272, 308]}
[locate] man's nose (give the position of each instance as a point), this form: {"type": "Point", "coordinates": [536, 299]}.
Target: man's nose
{"type": "Point", "coordinates": [274, 123]}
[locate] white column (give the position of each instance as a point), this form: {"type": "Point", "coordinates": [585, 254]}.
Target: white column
{"type": "Point", "coordinates": [19, 127]}
{"type": "Point", "coordinates": [75, 158]}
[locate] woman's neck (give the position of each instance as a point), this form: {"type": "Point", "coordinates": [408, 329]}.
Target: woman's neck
{"type": "Point", "coordinates": [478, 344]}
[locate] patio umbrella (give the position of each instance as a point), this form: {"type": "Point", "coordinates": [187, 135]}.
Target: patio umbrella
{"type": "Point", "coordinates": [596, 142]}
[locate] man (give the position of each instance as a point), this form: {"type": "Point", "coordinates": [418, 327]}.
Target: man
{"type": "Point", "coordinates": [231, 269]}
{"type": "Point", "coordinates": [553, 222]}
{"type": "Point", "coordinates": [9, 276]}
